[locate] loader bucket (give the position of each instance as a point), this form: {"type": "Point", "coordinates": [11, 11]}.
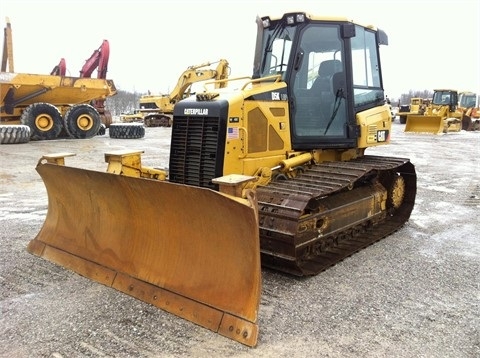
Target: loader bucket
{"type": "Point", "coordinates": [424, 124]}
{"type": "Point", "coordinates": [190, 251]}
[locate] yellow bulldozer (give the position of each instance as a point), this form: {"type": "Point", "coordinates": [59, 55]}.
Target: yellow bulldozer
{"type": "Point", "coordinates": [157, 110]}
{"type": "Point", "coordinates": [272, 172]}
{"type": "Point", "coordinates": [441, 115]}
{"type": "Point", "coordinates": [39, 107]}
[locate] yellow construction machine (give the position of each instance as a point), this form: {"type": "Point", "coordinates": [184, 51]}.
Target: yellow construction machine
{"type": "Point", "coordinates": [49, 105]}
{"type": "Point", "coordinates": [441, 115]}
{"type": "Point", "coordinates": [273, 173]}
{"type": "Point", "coordinates": [157, 110]}
{"type": "Point", "coordinates": [131, 116]}
{"type": "Point", "coordinates": [417, 106]}
{"type": "Point", "coordinates": [468, 105]}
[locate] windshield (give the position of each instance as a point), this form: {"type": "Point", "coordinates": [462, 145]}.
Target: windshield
{"type": "Point", "coordinates": [276, 48]}
{"type": "Point", "coordinates": [467, 100]}
{"type": "Point", "coordinates": [443, 97]}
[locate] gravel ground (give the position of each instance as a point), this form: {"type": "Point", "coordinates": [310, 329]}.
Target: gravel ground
{"type": "Point", "coordinates": [413, 294]}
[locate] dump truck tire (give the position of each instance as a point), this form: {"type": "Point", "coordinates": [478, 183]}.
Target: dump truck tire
{"type": "Point", "coordinates": [44, 120]}
{"type": "Point", "coordinates": [106, 118]}
{"type": "Point", "coordinates": [14, 134]}
{"type": "Point", "coordinates": [126, 130]}
{"type": "Point", "coordinates": [82, 121]}
{"type": "Point", "coordinates": [102, 130]}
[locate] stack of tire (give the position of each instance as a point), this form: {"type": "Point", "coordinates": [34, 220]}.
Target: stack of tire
{"type": "Point", "coordinates": [15, 134]}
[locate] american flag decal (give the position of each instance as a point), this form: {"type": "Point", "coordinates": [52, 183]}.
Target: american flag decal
{"type": "Point", "coordinates": [232, 133]}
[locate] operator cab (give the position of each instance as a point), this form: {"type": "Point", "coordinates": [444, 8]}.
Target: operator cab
{"type": "Point", "coordinates": [445, 97]}
{"type": "Point", "coordinates": [323, 61]}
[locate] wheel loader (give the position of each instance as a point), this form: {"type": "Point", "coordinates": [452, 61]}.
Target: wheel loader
{"type": "Point", "coordinates": [440, 116]}
{"type": "Point", "coordinates": [271, 171]}
{"type": "Point", "coordinates": [468, 105]}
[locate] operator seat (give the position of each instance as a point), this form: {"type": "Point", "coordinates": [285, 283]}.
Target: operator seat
{"type": "Point", "coordinates": [326, 70]}
{"type": "Point", "coordinates": [322, 87]}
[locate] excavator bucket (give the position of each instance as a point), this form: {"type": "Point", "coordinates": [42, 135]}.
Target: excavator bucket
{"type": "Point", "coordinates": [424, 124]}
{"type": "Point", "coordinates": [193, 252]}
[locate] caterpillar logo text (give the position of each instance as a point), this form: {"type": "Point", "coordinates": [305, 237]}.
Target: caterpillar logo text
{"type": "Point", "coordinates": [196, 111]}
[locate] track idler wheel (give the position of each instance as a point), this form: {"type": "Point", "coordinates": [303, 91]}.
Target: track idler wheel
{"type": "Point", "coordinates": [396, 192]}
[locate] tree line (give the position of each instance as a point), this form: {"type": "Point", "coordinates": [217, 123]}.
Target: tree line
{"type": "Point", "coordinates": [123, 102]}
{"type": "Point", "coordinates": [405, 98]}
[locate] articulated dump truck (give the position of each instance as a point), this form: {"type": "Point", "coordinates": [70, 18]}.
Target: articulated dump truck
{"type": "Point", "coordinates": [269, 171]}
{"type": "Point", "coordinates": [52, 106]}
{"type": "Point", "coordinates": [49, 106]}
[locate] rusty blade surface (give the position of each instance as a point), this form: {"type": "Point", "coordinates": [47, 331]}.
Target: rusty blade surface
{"type": "Point", "coordinates": [188, 250]}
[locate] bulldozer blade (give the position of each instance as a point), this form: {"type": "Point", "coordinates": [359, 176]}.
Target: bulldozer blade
{"type": "Point", "coordinates": [193, 252]}
{"type": "Point", "coordinates": [424, 124]}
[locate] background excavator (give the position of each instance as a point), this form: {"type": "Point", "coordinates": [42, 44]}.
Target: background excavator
{"type": "Point", "coordinates": [49, 106]}
{"type": "Point", "coordinates": [157, 110]}
{"type": "Point", "coordinates": [271, 173]}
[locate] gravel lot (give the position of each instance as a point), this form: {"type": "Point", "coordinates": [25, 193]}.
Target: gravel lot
{"type": "Point", "coordinates": [414, 294]}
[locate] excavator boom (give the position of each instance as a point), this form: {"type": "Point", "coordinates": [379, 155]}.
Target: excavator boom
{"type": "Point", "coordinates": [98, 60]}
{"type": "Point", "coordinates": [158, 109]}
{"type": "Point", "coordinates": [198, 73]}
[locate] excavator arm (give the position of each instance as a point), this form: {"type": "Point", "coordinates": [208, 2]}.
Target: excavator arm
{"type": "Point", "coordinates": [158, 109]}
{"type": "Point", "coordinates": [60, 69]}
{"type": "Point", "coordinates": [199, 73]}
{"type": "Point", "coordinates": [98, 60]}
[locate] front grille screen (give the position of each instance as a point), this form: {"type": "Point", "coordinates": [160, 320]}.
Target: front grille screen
{"type": "Point", "coordinates": [194, 151]}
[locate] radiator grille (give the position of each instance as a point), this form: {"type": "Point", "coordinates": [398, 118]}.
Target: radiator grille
{"type": "Point", "coordinates": [195, 155]}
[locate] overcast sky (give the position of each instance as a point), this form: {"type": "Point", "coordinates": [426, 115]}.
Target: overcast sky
{"type": "Point", "coordinates": [433, 44]}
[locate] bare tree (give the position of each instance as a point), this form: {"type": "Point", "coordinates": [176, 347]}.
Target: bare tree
{"type": "Point", "coordinates": [122, 102]}
{"type": "Point", "coordinates": [405, 98]}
